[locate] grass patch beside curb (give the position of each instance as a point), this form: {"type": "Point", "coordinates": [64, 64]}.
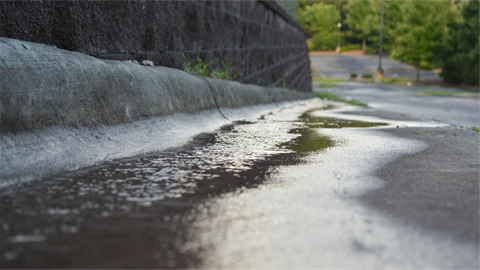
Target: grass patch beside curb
{"type": "Point", "coordinates": [331, 96]}
{"type": "Point", "coordinates": [328, 79]}
{"type": "Point", "coordinates": [394, 80]}
{"type": "Point", "coordinates": [446, 93]}
{"type": "Point", "coordinates": [435, 92]}
{"type": "Point", "coordinates": [324, 84]}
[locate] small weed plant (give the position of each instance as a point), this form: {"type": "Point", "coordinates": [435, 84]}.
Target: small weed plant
{"type": "Point", "coordinates": [186, 64]}
{"type": "Point", "coordinates": [225, 72]}
{"type": "Point", "coordinates": [476, 129]}
{"type": "Point", "coordinates": [202, 68]}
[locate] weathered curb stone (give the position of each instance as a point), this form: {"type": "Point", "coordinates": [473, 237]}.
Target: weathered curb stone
{"type": "Point", "coordinates": [62, 110]}
{"type": "Point", "coordinates": [42, 86]}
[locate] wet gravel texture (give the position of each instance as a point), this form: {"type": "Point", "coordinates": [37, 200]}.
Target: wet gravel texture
{"type": "Point", "coordinates": [137, 212]}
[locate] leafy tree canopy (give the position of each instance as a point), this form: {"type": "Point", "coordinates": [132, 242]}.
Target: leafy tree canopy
{"type": "Point", "coordinates": [320, 23]}
{"type": "Point", "coordinates": [320, 18]}
{"type": "Point", "coordinates": [363, 20]}
{"type": "Point", "coordinates": [422, 27]}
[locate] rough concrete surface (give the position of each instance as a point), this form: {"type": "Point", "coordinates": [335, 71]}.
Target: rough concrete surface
{"type": "Point", "coordinates": [260, 41]}
{"type": "Point", "coordinates": [57, 105]}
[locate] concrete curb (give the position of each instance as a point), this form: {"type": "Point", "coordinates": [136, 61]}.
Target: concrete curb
{"type": "Point", "coordinates": [62, 110]}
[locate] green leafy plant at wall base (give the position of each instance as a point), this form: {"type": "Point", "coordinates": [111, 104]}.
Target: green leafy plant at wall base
{"type": "Point", "coordinates": [202, 68]}
{"type": "Point", "coordinates": [225, 72]}
{"type": "Point", "coordinates": [476, 129]}
{"type": "Point", "coordinates": [186, 65]}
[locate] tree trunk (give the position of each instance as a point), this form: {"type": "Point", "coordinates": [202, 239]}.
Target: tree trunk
{"type": "Point", "coordinates": [393, 51]}
{"type": "Point", "coordinates": [418, 74]}
{"type": "Point", "coordinates": [364, 44]}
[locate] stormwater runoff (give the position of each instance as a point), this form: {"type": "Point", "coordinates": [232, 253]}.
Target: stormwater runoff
{"type": "Point", "coordinates": [145, 211]}
{"type": "Point", "coordinates": [135, 212]}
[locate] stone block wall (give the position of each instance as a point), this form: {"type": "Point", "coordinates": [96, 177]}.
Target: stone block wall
{"type": "Point", "coordinates": [258, 38]}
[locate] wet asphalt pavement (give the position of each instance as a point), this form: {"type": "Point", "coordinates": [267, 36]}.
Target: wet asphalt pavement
{"type": "Point", "coordinates": [437, 187]}
{"type": "Point", "coordinates": [317, 185]}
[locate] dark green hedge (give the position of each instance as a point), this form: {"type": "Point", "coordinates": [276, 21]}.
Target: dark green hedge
{"type": "Point", "coordinates": [461, 54]}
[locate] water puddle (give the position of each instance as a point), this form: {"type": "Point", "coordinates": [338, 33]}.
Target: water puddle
{"type": "Point", "coordinates": [135, 212]}
{"type": "Point", "coordinates": [309, 140]}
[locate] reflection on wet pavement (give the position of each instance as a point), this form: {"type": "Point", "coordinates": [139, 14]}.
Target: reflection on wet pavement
{"type": "Point", "coordinates": [312, 121]}
{"type": "Point", "coordinates": [135, 212]}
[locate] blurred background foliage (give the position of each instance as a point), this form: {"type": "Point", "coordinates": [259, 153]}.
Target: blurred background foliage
{"type": "Point", "coordinates": [459, 56]}
{"type": "Point", "coordinates": [290, 6]}
{"type": "Point", "coordinates": [426, 34]}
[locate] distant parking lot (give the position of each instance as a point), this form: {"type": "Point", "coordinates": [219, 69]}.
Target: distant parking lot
{"type": "Point", "coordinates": [333, 65]}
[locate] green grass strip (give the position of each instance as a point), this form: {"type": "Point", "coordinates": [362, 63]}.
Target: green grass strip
{"type": "Point", "coordinates": [435, 92]}
{"type": "Point", "coordinates": [324, 84]}
{"type": "Point", "coordinates": [328, 79]}
{"type": "Point", "coordinates": [331, 96]}
{"type": "Point", "coordinates": [445, 93]}
{"type": "Point", "coordinates": [396, 80]}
